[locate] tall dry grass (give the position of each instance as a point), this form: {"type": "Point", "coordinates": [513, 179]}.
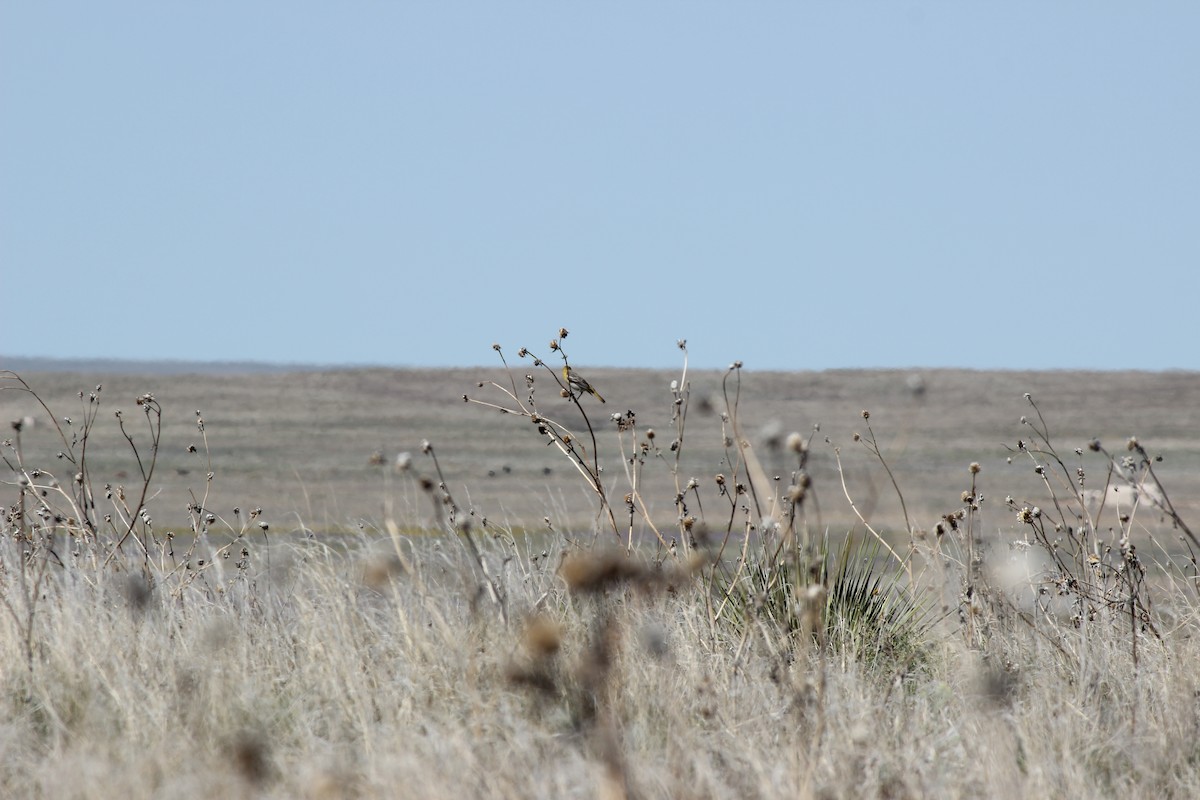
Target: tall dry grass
{"type": "Point", "coordinates": [739, 653]}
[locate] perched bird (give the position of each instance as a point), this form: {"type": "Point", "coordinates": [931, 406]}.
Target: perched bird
{"type": "Point", "coordinates": [578, 383]}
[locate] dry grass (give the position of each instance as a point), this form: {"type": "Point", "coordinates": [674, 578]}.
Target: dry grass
{"type": "Point", "coordinates": [483, 662]}
{"type": "Point", "coordinates": [300, 445]}
{"type": "Point", "coordinates": [342, 675]}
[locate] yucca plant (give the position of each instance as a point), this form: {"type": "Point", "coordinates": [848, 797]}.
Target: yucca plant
{"type": "Point", "coordinates": [846, 597]}
{"type": "Point", "coordinates": [870, 612]}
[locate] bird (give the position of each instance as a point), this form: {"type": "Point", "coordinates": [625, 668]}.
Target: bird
{"type": "Point", "coordinates": [578, 383]}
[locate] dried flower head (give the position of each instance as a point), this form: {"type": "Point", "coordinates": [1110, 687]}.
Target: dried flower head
{"type": "Point", "coordinates": [592, 573]}
{"type": "Point", "coordinates": [542, 637]}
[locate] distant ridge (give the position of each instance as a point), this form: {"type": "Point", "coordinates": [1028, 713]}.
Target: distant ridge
{"type": "Point", "coordinates": [26, 364]}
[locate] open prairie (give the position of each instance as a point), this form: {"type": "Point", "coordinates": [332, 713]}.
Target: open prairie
{"type": "Point", "coordinates": [317, 450]}
{"type": "Point", "coordinates": [356, 630]}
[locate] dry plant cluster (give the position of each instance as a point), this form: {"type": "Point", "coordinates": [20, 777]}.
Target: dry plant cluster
{"type": "Point", "coordinates": [741, 651]}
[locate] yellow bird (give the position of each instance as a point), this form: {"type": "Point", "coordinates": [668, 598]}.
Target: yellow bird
{"type": "Point", "coordinates": [579, 383]}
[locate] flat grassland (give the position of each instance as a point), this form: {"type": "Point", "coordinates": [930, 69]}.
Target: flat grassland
{"type": "Point", "coordinates": [301, 445]}
{"type": "Point", "coordinates": [1021, 643]}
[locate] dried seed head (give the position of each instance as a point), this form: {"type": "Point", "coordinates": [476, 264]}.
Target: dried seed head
{"type": "Point", "coordinates": [542, 637]}
{"type": "Point", "coordinates": [251, 755]}
{"type": "Point", "coordinates": [974, 468]}
{"type": "Point", "coordinates": [596, 573]}
{"type": "Point", "coordinates": [796, 443]}
{"type": "Point", "coordinates": [812, 616]}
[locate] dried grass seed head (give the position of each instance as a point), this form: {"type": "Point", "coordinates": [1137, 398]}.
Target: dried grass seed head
{"type": "Point", "coordinates": [542, 636]}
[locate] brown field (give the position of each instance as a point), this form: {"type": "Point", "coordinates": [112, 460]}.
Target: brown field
{"type": "Point", "coordinates": [373, 658]}
{"type": "Point", "coordinates": [300, 445]}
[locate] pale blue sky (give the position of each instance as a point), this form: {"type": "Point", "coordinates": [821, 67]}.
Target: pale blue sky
{"type": "Point", "coordinates": [797, 185]}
